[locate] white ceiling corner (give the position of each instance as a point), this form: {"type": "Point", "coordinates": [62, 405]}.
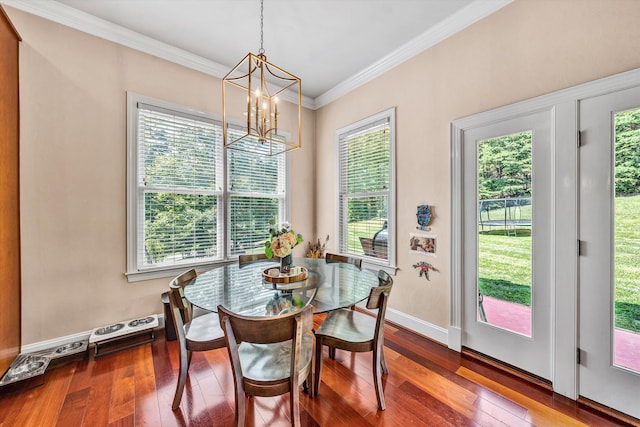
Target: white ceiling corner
{"type": "Point", "coordinates": [331, 26]}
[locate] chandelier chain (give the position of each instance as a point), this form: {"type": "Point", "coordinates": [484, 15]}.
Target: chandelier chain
{"type": "Point", "coordinates": [261, 51]}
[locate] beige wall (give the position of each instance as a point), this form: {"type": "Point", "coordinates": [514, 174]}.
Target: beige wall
{"type": "Point", "coordinates": [73, 174]}
{"type": "Point", "coordinates": [73, 155]}
{"type": "Point", "coordinates": [526, 49]}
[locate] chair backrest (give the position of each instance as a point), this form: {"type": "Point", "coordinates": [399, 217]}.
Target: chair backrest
{"type": "Point", "coordinates": [177, 301]}
{"type": "Point", "coordinates": [384, 278]}
{"type": "Point", "coordinates": [267, 330]}
{"type": "Point", "coordinates": [379, 294]}
{"type": "Point", "coordinates": [342, 258]}
{"type": "Point", "coordinates": [248, 258]}
{"type": "Point", "coordinates": [278, 365]}
{"type": "Point", "coordinates": [378, 299]}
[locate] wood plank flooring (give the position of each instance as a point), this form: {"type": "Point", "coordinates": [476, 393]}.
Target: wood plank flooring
{"type": "Point", "coordinates": [427, 385]}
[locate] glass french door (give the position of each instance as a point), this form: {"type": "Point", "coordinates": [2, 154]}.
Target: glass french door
{"type": "Point", "coordinates": [507, 214]}
{"type": "Point", "coordinates": [609, 284]}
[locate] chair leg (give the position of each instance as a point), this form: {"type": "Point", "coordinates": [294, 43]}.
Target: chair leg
{"type": "Point", "coordinates": [377, 377]}
{"type": "Point", "coordinates": [332, 353]}
{"type": "Point", "coordinates": [318, 368]}
{"type": "Point", "coordinates": [182, 377]}
{"type": "Point", "coordinates": [309, 382]}
{"type": "Point", "coordinates": [240, 408]}
{"type": "Point", "coordinates": [383, 362]}
{"type": "Point", "coordinates": [294, 403]}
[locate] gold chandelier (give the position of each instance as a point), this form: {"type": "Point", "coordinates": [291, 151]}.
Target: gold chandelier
{"type": "Point", "coordinates": [251, 92]}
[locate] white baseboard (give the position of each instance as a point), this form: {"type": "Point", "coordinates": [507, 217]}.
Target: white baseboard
{"type": "Point", "coordinates": [57, 342]}
{"type": "Point", "coordinates": [427, 329]}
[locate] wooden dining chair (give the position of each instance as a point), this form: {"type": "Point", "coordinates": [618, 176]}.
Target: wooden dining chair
{"type": "Point", "coordinates": [249, 258]}
{"type": "Point", "coordinates": [342, 258]}
{"type": "Point", "coordinates": [269, 356]}
{"type": "Point", "coordinates": [355, 331]}
{"type": "Point", "coordinates": [200, 333]}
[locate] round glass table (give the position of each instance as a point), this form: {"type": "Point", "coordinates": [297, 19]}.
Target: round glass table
{"type": "Point", "coordinates": [242, 288]}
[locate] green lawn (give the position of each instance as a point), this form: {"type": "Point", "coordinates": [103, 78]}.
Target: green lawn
{"type": "Point", "coordinates": [505, 264]}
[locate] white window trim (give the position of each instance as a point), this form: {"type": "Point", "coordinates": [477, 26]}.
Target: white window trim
{"type": "Point", "coordinates": [370, 262]}
{"type": "Point", "coordinates": [134, 274]}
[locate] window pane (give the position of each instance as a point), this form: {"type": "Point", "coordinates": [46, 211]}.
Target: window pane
{"type": "Point", "coordinates": [366, 160]}
{"type": "Point", "coordinates": [367, 226]}
{"type": "Point", "coordinates": [250, 173]}
{"type": "Point", "coordinates": [249, 223]}
{"type": "Point", "coordinates": [257, 187]}
{"type": "Point", "coordinates": [627, 240]}
{"type": "Point", "coordinates": [504, 238]}
{"type": "Point", "coordinates": [365, 185]}
{"type": "Point", "coordinates": [178, 152]}
{"type": "Point", "coordinates": [179, 228]}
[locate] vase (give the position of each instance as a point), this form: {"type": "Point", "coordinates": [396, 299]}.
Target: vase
{"type": "Point", "coordinates": [285, 264]}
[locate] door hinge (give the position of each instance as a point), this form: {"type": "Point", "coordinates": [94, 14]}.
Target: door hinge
{"type": "Point", "coordinates": [579, 139]}
{"type": "Point", "coordinates": [580, 248]}
{"type": "Point", "coordinates": [578, 356]}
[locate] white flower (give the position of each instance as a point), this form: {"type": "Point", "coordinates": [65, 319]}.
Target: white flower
{"type": "Point", "coordinates": [281, 247]}
{"type": "Point", "coordinates": [282, 241]}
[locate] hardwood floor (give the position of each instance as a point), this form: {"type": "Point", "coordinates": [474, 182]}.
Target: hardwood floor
{"type": "Point", "coordinates": [427, 385]}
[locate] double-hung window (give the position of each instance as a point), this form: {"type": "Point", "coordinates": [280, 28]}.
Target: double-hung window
{"type": "Point", "coordinates": [190, 202]}
{"type": "Point", "coordinates": [366, 189]}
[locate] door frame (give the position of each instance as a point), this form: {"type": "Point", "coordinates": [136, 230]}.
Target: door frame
{"type": "Point", "coordinates": [564, 287]}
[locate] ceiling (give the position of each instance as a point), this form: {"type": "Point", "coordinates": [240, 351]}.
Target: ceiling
{"type": "Point", "coordinates": [332, 45]}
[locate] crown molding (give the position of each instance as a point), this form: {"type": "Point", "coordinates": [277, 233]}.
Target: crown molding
{"type": "Point", "coordinates": [73, 18]}
{"type": "Point", "coordinates": [467, 16]}
{"type": "Point", "coordinates": [81, 21]}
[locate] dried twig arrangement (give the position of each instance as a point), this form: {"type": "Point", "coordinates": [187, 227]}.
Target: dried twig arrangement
{"type": "Point", "coordinates": [316, 249]}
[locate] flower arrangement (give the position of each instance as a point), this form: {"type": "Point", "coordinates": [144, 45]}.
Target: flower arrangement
{"type": "Point", "coordinates": [282, 241]}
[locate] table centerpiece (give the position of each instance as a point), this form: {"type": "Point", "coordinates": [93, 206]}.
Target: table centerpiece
{"type": "Point", "coordinates": [281, 243]}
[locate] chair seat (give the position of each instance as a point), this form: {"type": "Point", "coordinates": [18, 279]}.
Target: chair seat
{"type": "Point", "coordinates": [272, 362]}
{"type": "Point", "coordinates": [347, 325]}
{"type": "Point", "coordinates": [204, 329]}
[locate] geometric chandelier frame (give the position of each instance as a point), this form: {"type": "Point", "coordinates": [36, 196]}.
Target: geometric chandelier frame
{"type": "Point", "coordinates": [262, 85]}
{"type": "Point", "coordinates": [252, 92]}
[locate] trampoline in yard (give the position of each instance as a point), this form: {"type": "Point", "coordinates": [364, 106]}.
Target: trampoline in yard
{"type": "Point", "coordinates": [508, 214]}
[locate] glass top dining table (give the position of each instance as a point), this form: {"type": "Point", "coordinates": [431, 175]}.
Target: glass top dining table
{"type": "Point", "coordinates": [243, 290]}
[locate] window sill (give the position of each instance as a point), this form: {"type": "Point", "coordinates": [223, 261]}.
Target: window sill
{"type": "Point", "coordinates": [139, 276]}
{"type": "Point", "coordinates": [375, 266]}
